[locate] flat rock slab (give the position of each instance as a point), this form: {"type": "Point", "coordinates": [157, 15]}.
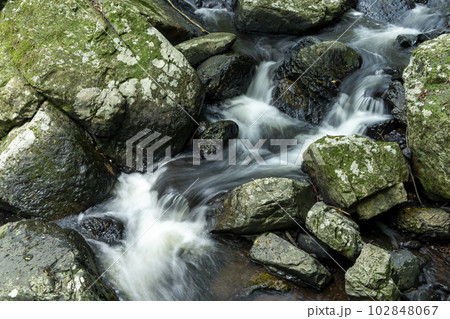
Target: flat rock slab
{"type": "Point", "coordinates": [292, 263]}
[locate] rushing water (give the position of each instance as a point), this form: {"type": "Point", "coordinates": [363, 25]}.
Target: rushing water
{"type": "Point", "coordinates": [168, 253]}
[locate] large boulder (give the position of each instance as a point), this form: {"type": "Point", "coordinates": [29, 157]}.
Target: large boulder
{"type": "Point", "coordinates": [112, 72]}
{"type": "Point", "coordinates": [336, 230]}
{"type": "Point", "coordinates": [349, 169]}
{"type": "Point", "coordinates": [40, 261]}
{"type": "Point", "coordinates": [371, 277]}
{"type": "Point", "coordinates": [307, 85]}
{"type": "Point", "coordinates": [385, 10]}
{"type": "Point", "coordinates": [427, 88]}
{"type": "Point", "coordinates": [199, 49]}
{"type": "Point", "coordinates": [289, 16]}
{"type": "Point", "coordinates": [288, 261]}
{"type": "Point", "coordinates": [426, 222]}
{"type": "Point", "coordinates": [50, 169]}
{"type": "Point", "coordinates": [255, 207]}
{"type": "Point", "coordinates": [226, 75]}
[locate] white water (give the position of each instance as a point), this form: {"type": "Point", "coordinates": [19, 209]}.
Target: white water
{"type": "Point", "coordinates": [168, 253]}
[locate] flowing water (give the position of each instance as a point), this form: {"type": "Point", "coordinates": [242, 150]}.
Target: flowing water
{"type": "Point", "coordinates": [168, 252]}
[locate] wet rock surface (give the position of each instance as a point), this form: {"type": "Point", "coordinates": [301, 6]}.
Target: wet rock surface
{"type": "Point", "coordinates": [395, 99]}
{"type": "Point", "coordinates": [426, 222]}
{"type": "Point", "coordinates": [267, 282]}
{"type": "Point", "coordinates": [407, 269]}
{"type": "Point", "coordinates": [107, 230]}
{"type": "Point", "coordinates": [385, 10]}
{"type": "Point", "coordinates": [221, 131]}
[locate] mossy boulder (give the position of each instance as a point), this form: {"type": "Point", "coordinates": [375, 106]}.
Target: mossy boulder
{"type": "Point", "coordinates": [307, 85]}
{"type": "Point", "coordinates": [255, 207]}
{"type": "Point", "coordinates": [288, 16]}
{"type": "Point", "coordinates": [427, 88]}
{"type": "Point", "coordinates": [49, 168]}
{"type": "Point", "coordinates": [334, 229]}
{"type": "Point", "coordinates": [199, 49]}
{"type": "Point", "coordinates": [112, 72]}
{"type": "Point", "coordinates": [287, 261]}
{"type": "Point", "coordinates": [349, 169]}
{"type": "Point", "coordinates": [40, 261]}
{"type": "Point", "coordinates": [426, 222]}
{"type": "Point", "coordinates": [371, 277]}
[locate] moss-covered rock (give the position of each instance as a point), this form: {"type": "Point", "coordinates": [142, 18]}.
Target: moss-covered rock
{"type": "Point", "coordinates": [40, 261]}
{"type": "Point", "coordinates": [427, 88]}
{"type": "Point", "coordinates": [267, 282]}
{"type": "Point", "coordinates": [427, 222]}
{"type": "Point", "coordinates": [371, 277]}
{"type": "Point", "coordinates": [348, 169]}
{"type": "Point", "coordinates": [255, 207]}
{"type": "Point", "coordinates": [307, 85]}
{"type": "Point", "coordinates": [336, 230]}
{"type": "Point", "coordinates": [199, 49]}
{"type": "Point", "coordinates": [288, 261]}
{"type": "Point", "coordinates": [50, 169]}
{"type": "Point", "coordinates": [288, 16]}
{"type": "Point", "coordinates": [113, 72]}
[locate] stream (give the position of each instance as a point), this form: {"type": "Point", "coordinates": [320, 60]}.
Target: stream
{"type": "Point", "coordinates": [168, 252]}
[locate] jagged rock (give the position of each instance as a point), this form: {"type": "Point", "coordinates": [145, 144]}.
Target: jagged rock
{"type": "Point", "coordinates": [289, 16]}
{"type": "Point", "coordinates": [115, 86]}
{"type": "Point", "coordinates": [107, 230]}
{"type": "Point", "coordinates": [407, 268]}
{"type": "Point", "coordinates": [334, 229]}
{"type": "Point", "coordinates": [227, 75]}
{"type": "Point", "coordinates": [199, 49]}
{"type": "Point", "coordinates": [385, 10]}
{"type": "Point", "coordinates": [267, 282]}
{"type": "Point", "coordinates": [40, 261]}
{"type": "Point", "coordinates": [317, 81]}
{"type": "Point", "coordinates": [371, 277]}
{"type": "Point", "coordinates": [221, 130]}
{"type": "Point", "coordinates": [417, 295]}
{"type": "Point", "coordinates": [255, 207]}
{"type": "Point", "coordinates": [50, 169]}
{"type": "Point", "coordinates": [289, 262]}
{"type": "Point", "coordinates": [395, 99]}
{"type": "Point", "coordinates": [427, 222]}
{"type": "Point", "coordinates": [348, 169]}
{"type": "Point", "coordinates": [427, 89]}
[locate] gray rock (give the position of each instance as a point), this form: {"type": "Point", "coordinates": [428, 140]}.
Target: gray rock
{"type": "Point", "coordinates": [315, 247]}
{"type": "Point", "coordinates": [307, 85]}
{"type": "Point", "coordinates": [255, 207]}
{"type": "Point", "coordinates": [417, 295]}
{"type": "Point", "coordinates": [395, 99]}
{"type": "Point", "coordinates": [199, 49]}
{"type": "Point", "coordinates": [334, 229]}
{"type": "Point", "coordinates": [348, 169]}
{"type": "Point", "coordinates": [407, 40]}
{"type": "Point", "coordinates": [427, 222]}
{"type": "Point", "coordinates": [381, 202]}
{"type": "Point", "coordinates": [385, 10]}
{"type": "Point", "coordinates": [227, 75]}
{"type": "Point", "coordinates": [371, 277]}
{"type": "Point", "coordinates": [105, 229]}
{"type": "Point", "coordinates": [289, 262]}
{"type": "Point", "coordinates": [50, 169]}
{"type": "Point", "coordinates": [221, 130]}
{"type": "Point", "coordinates": [40, 261]}
{"type": "Point", "coordinates": [407, 268]}
{"type": "Point", "coordinates": [288, 16]}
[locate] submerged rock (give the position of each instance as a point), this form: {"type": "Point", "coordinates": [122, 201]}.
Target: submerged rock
{"type": "Point", "coordinates": [288, 16]}
{"type": "Point", "coordinates": [199, 49]}
{"type": "Point", "coordinates": [267, 282]}
{"type": "Point", "coordinates": [371, 277]}
{"type": "Point", "coordinates": [407, 269]}
{"type": "Point", "coordinates": [255, 207]}
{"type": "Point", "coordinates": [50, 169]}
{"type": "Point", "coordinates": [334, 229]}
{"type": "Point", "coordinates": [40, 261]}
{"type": "Point", "coordinates": [307, 85]}
{"type": "Point", "coordinates": [289, 262]}
{"type": "Point", "coordinates": [227, 75]}
{"type": "Point", "coordinates": [407, 40]}
{"type": "Point", "coordinates": [427, 89]}
{"type": "Point", "coordinates": [427, 222]}
{"type": "Point", "coordinates": [348, 169]}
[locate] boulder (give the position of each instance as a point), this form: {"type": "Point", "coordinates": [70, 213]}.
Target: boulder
{"type": "Point", "coordinates": [50, 169]}
{"type": "Point", "coordinates": [407, 269]}
{"type": "Point", "coordinates": [266, 282]}
{"type": "Point", "coordinates": [255, 207]}
{"type": "Point", "coordinates": [427, 222]}
{"type": "Point", "coordinates": [334, 229]}
{"type": "Point", "coordinates": [427, 89]}
{"type": "Point", "coordinates": [289, 16]}
{"type": "Point", "coordinates": [371, 277]}
{"type": "Point", "coordinates": [396, 101]}
{"type": "Point", "coordinates": [348, 169]}
{"type": "Point", "coordinates": [227, 75]}
{"type": "Point", "coordinates": [220, 130]}
{"type": "Point", "coordinates": [199, 49]}
{"type": "Point", "coordinates": [286, 260]}
{"type": "Point", "coordinates": [113, 73]}
{"type": "Point", "coordinates": [104, 229]}
{"type": "Point", "coordinates": [40, 261]}
{"type": "Point", "coordinates": [385, 10]}
{"type": "Point", "coordinates": [306, 86]}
